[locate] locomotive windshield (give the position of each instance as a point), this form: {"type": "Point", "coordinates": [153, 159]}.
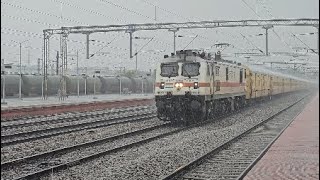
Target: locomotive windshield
{"type": "Point", "coordinates": [190, 69]}
{"type": "Point", "coordinates": [169, 69]}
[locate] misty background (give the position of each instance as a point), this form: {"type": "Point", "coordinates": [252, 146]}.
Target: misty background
{"type": "Point", "coordinates": [23, 20]}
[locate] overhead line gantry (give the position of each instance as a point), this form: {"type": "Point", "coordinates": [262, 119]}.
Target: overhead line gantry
{"type": "Point", "coordinates": [64, 32]}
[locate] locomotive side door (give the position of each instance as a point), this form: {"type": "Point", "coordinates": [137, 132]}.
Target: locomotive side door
{"type": "Point", "coordinates": [216, 79]}
{"type": "Point", "coordinates": [211, 78]}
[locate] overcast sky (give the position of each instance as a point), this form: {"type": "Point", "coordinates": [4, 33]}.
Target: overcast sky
{"type": "Point", "coordinates": [25, 20]}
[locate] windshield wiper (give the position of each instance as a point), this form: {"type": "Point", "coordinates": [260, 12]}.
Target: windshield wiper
{"type": "Point", "coordinates": [171, 73]}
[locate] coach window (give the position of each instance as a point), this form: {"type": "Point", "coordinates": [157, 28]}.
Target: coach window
{"type": "Point", "coordinates": [245, 73]}
{"type": "Point", "coordinates": [241, 74]}
{"type": "Point", "coordinates": [227, 74]}
{"type": "Point", "coordinates": [217, 70]}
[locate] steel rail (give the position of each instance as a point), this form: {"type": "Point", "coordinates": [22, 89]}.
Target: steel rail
{"type": "Point", "coordinates": [91, 157]}
{"type": "Point", "coordinates": [45, 133]}
{"type": "Point", "coordinates": [62, 119]}
{"type": "Point", "coordinates": [14, 162]}
{"type": "Point", "coordinates": [194, 163]}
{"type": "Point", "coordinates": [264, 151]}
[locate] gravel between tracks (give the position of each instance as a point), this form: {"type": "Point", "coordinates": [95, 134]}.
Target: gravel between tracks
{"type": "Point", "coordinates": [82, 152]}
{"type": "Point", "coordinates": [231, 161]}
{"type": "Point", "coordinates": [163, 156]}
{"type": "Point", "coordinates": [47, 144]}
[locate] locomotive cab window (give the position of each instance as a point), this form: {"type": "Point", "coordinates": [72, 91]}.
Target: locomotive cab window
{"type": "Point", "coordinates": [190, 69]}
{"type": "Point", "coordinates": [169, 69]}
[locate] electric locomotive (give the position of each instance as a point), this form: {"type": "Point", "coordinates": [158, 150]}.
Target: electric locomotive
{"type": "Point", "coordinates": [191, 86]}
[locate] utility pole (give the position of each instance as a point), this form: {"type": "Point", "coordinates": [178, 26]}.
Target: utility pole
{"type": "Point", "coordinates": [120, 83]}
{"type": "Point", "coordinates": [94, 86]}
{"type": "Point", "coordinates": [136, 60]}
{"type": "Point", "coordinates": [174, 38]}
{"type": "Point", "coordinates": [94, 83]}
{"type": "Point", "coordinates": [57, 63]}
{"type": "Point", "coordinates": [85, 82]}
{"type": "Point", "coordinates": [130, 33]}
{"type": "Point", "coordinates": [155, 13]}
{"type": "Point", "coordinates": [267, 28]}
{"type": "Point", "coordinates": [318, 37]}
{"type": "Point", "coordinates": [3, 73]}
{"type": "Point", "coordinates": [20, 75]}
{"type": "Point", "coordinates": [87, 45]}
{"type": "Point", "coordinates": [4, 90]}
{"type": "Point", "coordinates": [39, 64]}
{"type": "Point", "coordinates": [29, 56]}
{"type": "Point", "coordinates": [78, 86]}
{"type": "Point", "coordinates": [142, 85]}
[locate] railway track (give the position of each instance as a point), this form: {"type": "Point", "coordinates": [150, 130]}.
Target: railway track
{"type": "Point", "coordinates": [236, 156]}
{"type": "Point", "coordinates": [20, 137]}
{"type": "Point", "coordinates": [66, 117]}
{"type": "Point", "coordinates": [46, 111]}
{"type": "Point", "coordinates": [40, 164]}
{"type": "Point", "coordinates": [44, 168]}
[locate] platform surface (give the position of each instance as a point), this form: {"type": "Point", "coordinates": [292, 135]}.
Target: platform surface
{"type": "Point", "coordinates": [54, 101]}
{"type": "Point", "coordinates": [295, 154]}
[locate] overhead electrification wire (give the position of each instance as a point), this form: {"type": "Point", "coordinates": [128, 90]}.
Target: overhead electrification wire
{"type": "Point", "coordinates": [125, 8]}
{"type": "Point", "coordinates": [143, 46]}
{"type": "Point", "coordinates": [180, 16]}
{"type": "Point", "coordinates": [39, 12]}
{"type": "Point", "coordinates": [190, 42]}
{"type": "Point", "coordinates": [103, 47]}
{"type": "Point", "coordinates": [251, 9]}
{"type": "Point", "coordinates": [88, 10]}
{"type": "Point", "coordinates": [304, 44]}
{"type": "Point", "coordinates": [29, 20]}
{"type": "Point", "coordinates": [252, 44]}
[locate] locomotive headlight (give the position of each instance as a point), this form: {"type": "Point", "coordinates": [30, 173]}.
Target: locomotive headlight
{"type": "Point", "coordinates": [196, 85]}
{"type": "Point", "coordinates": [178, 85]}
{"type": "Point", "coordinates": [162, 85]}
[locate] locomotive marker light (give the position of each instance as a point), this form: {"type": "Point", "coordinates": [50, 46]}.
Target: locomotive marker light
{"type": "Point", "coordinates": [196, 85]}
{"type": "Point", "coordinates": [162, 85]}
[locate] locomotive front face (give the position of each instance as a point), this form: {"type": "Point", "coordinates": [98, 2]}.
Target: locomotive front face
{"type": "Point", "coordinates": [179, 91]}
{"type": "Point", "coordinates": [178, 79]}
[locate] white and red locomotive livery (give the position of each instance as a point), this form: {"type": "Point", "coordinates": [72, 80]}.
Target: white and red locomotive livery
{"type": "Point", "coordinates": [192, 86]}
